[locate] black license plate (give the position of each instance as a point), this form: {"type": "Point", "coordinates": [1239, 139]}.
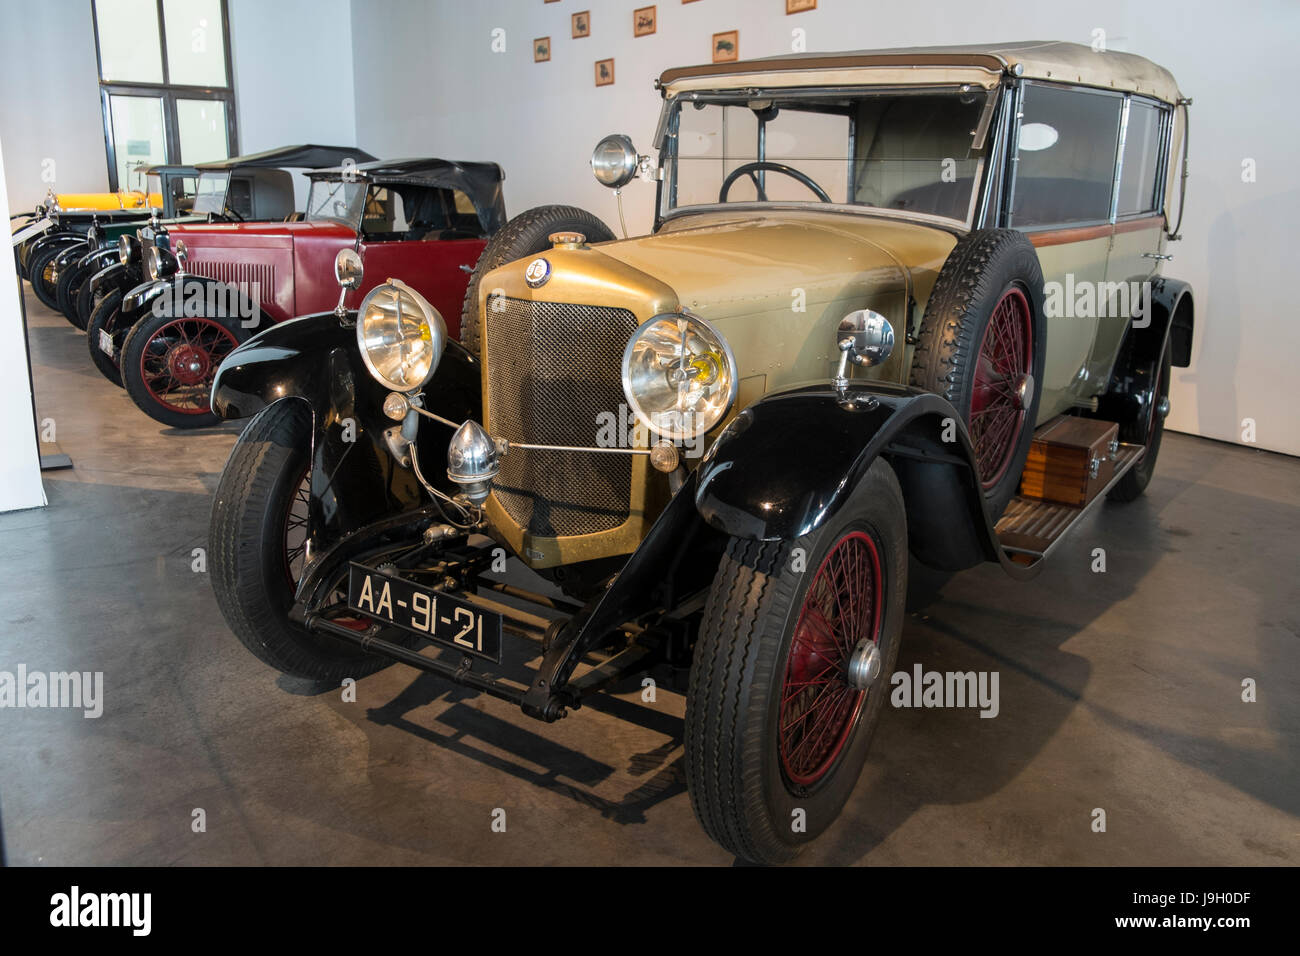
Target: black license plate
{"type": "Point", "coordinates": [439, 617]}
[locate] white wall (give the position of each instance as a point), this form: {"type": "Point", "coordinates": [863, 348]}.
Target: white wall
{"type": "Point", "coordinates": [20, 462]}
{"type": "Point", "coordinates": [293, 72]}
{"type": "Point", "coordinates": [293, 82]}
{"type": "Point", "coordinates": [49, 100]}
{"type": "Point", "coordinates": [427, 82]}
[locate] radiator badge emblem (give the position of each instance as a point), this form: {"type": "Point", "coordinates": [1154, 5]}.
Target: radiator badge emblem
{"type": "Point", "coordinates": [538, 271]}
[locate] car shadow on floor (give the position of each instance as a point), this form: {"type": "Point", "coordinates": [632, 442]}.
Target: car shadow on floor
{"type": "Point", "coordinates": [516, 750]}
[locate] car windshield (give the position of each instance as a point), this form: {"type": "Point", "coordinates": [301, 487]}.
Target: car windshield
{"type": "Point", "coordinates": [917, 152]}
{"type": "Point", "coordinates": [336, 200]}
{"type": "Point", "coordinates": [210, 196]}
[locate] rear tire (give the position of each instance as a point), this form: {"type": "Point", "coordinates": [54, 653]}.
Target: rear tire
{"type": "Point", "coordinates": [767, 637]}
{"type": "Point", "coordinates": [1148, 430]}
{"type": "Point", "coordinates": [525, 235]}
{"type": "Point", "coordinates": [253, 568]}
{"type": "Point", "coordinates": [103, 316]}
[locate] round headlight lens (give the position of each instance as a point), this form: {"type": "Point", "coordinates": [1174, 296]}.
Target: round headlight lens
{"type": "Point", "coordinates": [613, 161]}
{"type": "Point", "coordinates": [153, 262]}
{"type": "Point", "coordinates": [679, 376]}
{"type": "Point", "coordinates": [126, 249]}
{"type": "Point", "coordinates": [401, 336]}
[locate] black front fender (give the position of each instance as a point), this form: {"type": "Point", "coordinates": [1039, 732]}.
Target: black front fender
{"type": "Point", "coordinates": [99, 257]}
{"type": "Point", "coordinates": [137, 302]}
{"type": "Point", "coordinates": [112, 276]}
{"type": "Point", "coordinates": [315, 359]}
{"type": "Point", "coordinates": [787, 463]}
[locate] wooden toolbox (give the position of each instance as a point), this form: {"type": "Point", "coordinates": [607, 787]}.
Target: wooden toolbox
{"type": "Point", "coordinates": [1070, 461]}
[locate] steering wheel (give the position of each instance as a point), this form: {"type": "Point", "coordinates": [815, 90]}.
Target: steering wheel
{"type": "Point", "coordinates": [751, 168]}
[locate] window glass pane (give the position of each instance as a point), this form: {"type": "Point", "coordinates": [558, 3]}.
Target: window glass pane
{"type": "Point", "coordinates": [137, 135]}
{"type": "Point", "coordinates": [128, 41]}
{"type": "Point", "coordinates": [903, 151]}
{"type": "Point", "coordinates": [1067, 156]}
{"type": "Point", "coordinates": [1137, 175]}
{"type": "Point", "coordinates": [196, 42]}
{"type": "Point", "coordinates": [202, 128]}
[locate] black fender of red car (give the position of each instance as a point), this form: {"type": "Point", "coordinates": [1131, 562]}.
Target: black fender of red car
{"type": "Point", "coordinates": [788, 462]}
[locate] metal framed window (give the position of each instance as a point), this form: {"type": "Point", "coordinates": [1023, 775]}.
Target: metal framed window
{"type": "Point", "coordinates": [184, 96]}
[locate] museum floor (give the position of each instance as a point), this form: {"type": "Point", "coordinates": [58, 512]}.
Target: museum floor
{"type": "Point", "coordinates": [1119, 690]}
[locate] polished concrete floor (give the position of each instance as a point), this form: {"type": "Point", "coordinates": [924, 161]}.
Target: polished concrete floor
{"type": "Point", "coordinates": [1119, 690]}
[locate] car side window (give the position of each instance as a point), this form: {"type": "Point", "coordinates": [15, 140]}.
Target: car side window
{"type": "Point", "coordinates": [1066, 165]}
{"type": "Point", "coordinates": [240, 197]}
{"type": "Point", "coordinates": [1140, 166]}
{"type": "Point", "coordinates": [385, 214]}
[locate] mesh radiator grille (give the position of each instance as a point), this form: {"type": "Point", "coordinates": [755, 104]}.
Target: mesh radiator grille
{"type": "Point", "coordinates": [254, 279]}
{"type": "Point", "coordinates": [552, 369]}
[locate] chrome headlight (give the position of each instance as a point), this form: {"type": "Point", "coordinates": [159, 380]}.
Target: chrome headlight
{"type": "Point", "coordinates": [127, 249]}
{"type": "Point", "coordinates": [401, 336]}
{"type": "Point", "coordinates": [679, 376]}
{"type": "Point", "coordinates": [158, 263]}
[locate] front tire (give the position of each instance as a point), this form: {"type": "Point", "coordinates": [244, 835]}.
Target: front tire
{"type": "Point", "coordinates": [39, 268]}
{"type": "Point", "coordinates": [68, 290]}
{"type": "Point", "coordinates": [776, 732]}
{"type": "Point", "coordinates": [102, 317]}
{"type": "Point", "coordinates": [168, 364]}
{"type": "Point", "coordinates": [258, 514]}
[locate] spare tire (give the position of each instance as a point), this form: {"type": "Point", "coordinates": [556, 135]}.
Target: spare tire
{"type": "Point", "coordinates": [981, 346]}
{"type": "Point", "coordinates": [525, 235]}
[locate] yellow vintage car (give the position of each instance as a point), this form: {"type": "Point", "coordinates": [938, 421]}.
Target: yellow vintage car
{"type": "Point", "coordinates": [893, 302]}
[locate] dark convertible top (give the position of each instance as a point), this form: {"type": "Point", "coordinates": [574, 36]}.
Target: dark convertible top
{"type": "Point", "coordinates": [294, 157]}
{"type": "Point", "coordinates": [481, 182]}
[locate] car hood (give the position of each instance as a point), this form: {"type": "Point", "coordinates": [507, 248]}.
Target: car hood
{"type": "Point", "coordinates": [723, 265]}
{"type": "Point", "coordinates": [244, 234]}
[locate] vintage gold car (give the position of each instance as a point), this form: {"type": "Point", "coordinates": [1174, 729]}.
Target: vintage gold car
{"type": "Point", "coordinates": [893, 301]}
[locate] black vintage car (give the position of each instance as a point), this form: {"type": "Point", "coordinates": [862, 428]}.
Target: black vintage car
{"type": "Point", "coordinates": [257, 187]}
{"type": "Point", "coordinates": [64, 243]}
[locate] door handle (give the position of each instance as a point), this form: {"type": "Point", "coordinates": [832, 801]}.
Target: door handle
{"type": "Point", "coordinates": [1156, 255]}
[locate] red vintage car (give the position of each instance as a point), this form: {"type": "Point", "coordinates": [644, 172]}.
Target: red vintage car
{"type": "Point", "coordinates": [215, 285]}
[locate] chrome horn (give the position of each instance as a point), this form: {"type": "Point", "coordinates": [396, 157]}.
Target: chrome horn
{"type": "Point", "coordinates": [473, 460]}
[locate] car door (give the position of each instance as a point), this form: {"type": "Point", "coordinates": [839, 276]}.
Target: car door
{"type": "Point", "coordinates": [1139, 234]}
{"type": "Point", "coordinates": [1062, 181]}
{"type": "Point", "coordinates": [409, 234]}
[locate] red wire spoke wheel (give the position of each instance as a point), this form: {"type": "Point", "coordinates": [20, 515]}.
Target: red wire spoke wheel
{"type": "Point", "coordinates": [180, 360]}
{"type": "Point", "coordinates": [1004, 366]}
{"type": "Point", "coordinates": [819, 707]}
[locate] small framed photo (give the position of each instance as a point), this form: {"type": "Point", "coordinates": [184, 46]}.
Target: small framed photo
{"type": "Point", "coordinates": [643, 21]}
{"type": "Point", "coordinates": [605, 72]}
{"type": "Point", "coordinates": [541, 49]}
{"type": "Point", "coordinates": [726, 46]}
{"type": "Point", "coordinates": [799, 6]}
{"type": "Point", "coordinates": [581, 24]}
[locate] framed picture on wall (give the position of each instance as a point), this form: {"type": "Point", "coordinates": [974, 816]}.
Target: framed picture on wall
{"type": "Point", "coordinates": [605, 72]}
{"type": "Point", "coordinates": [581, 24]}
{"type": "Point", "coordinates": [799, 6]}
{"type": "Point", "coordinates": [643, 21]}
{"type": "Point", "coordinates": [541, 49]}
{"type": "Point", "coordinates": [726, 46]}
